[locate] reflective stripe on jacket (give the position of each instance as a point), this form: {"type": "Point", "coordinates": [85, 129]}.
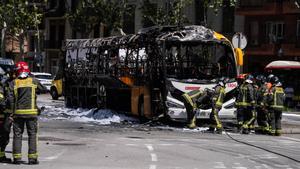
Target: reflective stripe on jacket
{"type": "Point", "coordinates": [218, 97]}
{"type": "Point", "coordinates": [245, 95]}
{"type": "Point", "coordinates": [278, 97]}
{"type": "Point", "coordinates": [25, 97]}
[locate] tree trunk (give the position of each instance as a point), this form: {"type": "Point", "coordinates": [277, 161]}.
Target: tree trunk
{"type": "Point", "coordinates": [21, 45]}
{"type": "Point", "coordinates": [3, 42]}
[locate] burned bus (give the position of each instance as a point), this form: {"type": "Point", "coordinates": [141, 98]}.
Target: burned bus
{"type": "Point", "coordinates": [145, 74]}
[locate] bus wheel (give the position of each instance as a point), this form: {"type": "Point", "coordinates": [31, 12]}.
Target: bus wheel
{"type": "Point", "coordinates": [54, 93]}
{"type": "Point", "coordinates": [141, 110]}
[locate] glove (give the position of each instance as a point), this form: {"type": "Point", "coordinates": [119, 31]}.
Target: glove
{"type": "Point", "coordinates": [7, 122]}
{"type": "Point", "coordinates": [40, 110]}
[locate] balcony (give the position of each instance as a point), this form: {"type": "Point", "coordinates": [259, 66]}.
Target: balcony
{"type": "Point", "coordinates": [263, 49]}
{"type": "Point", "coordinates": [289, 7]}
{"type": "Point", "coordinates": [291, 49]}
{"type": "Point", "coordinates": [258, 7]}
{"type": "Point", "coordinates": [53, 44]}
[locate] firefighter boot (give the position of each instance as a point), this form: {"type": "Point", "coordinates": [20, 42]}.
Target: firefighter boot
{"type": "Point", "coordinates": [17, 161]}
{"type": "Point", "coordinates": [245, 129]}
{"type": "Point", "coordinates": [278, 133]}
{"type": "Point", "coordinates": [32, 161]}
{"type": "Point", "coordinates": [219, 131]}
{"type": "Point", "coordinates": [5, 160]}
{"type": "Point", "coordinates": [210, 130]}
{"type": "Point", "coordinates": [192, 123]}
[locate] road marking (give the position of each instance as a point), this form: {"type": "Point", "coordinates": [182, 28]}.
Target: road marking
{"type": "Point", "coordinates": [240, 167]}
{"type": "Point", "coordinates": [153, 157]}
{"type": "Point", "coordinates": [165, 144]}
{"type": "Point", "coordinates": [149, 147]}
{"type": "Point", "coordinates": [152, 167]}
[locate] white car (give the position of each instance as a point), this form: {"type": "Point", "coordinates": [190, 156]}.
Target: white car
{"type": "Point", "coordinates": [44, 78]}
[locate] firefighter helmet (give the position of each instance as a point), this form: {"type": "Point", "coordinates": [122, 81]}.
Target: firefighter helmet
{"type": "Point", "coordinates": [270, 77]}
{"type": "Point", "coordinates": [249, 78]}
{"type": "Point", "coordinates": [274, 80]}
{"type": "Point", "coordinates": [22, 69]}
{"type": "Point", "coordinates": [260, 79]}
{"type": "Point", "coordinates": [222, 81]}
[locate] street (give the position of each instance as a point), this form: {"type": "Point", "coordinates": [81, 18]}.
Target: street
{"type": "Point", "coordinates": [65, 142]}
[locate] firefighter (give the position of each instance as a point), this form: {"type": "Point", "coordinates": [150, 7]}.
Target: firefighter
{"type": "Point", "coordinates": [25, 113]}
{"type": "Point", "coordinates": [192, 101]}
{"type": "Point", "coordinates": [262, 117]}
{"type": "Point", "coordinates": [245, 103]}
{"type": "Point", "coordinates": [240, 80]}
{"type": "Point", "coordinates": [5, 118]}
{"type": "Point", "coordinates": [217, 102]}
{"type": "Point", "coordinates": [275, 100]}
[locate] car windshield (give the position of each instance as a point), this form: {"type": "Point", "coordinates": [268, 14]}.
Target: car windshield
{"type": "Point", "coordinates": [200, 61]}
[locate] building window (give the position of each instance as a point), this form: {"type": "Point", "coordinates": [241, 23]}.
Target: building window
{"type": "Point", "coordinates": [298, 29]}
{"type": "Point", "coordinates": [254, 33]}
{"type": "Point", "coordinates": [275, 32]}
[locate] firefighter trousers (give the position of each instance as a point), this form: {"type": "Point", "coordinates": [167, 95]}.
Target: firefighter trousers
{"type": "Point", "coordinates": [248, 116]}
{"type": "Point", "coordinates": [262, 119]}
{"type": "Point", "coordinates": [4, 134]}
{"type": "Point", "coordinates": [189, 106]}
{"type": "Point", "coordinates": [18, 129]}
{"type": "Point", "coordinates": [275, 117]}
{"type": "Point", "coordinates": [240, 117]}
{"type": "Point", "coordinates": [215, 121]}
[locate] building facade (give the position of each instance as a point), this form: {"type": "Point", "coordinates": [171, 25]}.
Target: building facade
{"type": "Point", "coordinates": [272, 28]}
{"type": "Point", "coordinates": [44, 52]}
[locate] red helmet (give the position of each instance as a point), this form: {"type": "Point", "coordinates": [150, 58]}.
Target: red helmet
{"type": "Point", "coordinates": [22, 67]}
{"type": "Point", "coordinates": [241, 76]}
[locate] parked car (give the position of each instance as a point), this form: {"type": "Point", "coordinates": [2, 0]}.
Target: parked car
{"type": "Point", "coordinates": [44, 78]}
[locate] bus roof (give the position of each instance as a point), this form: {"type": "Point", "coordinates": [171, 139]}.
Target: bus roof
{"type": "Point", "coordinates": [282, 64]}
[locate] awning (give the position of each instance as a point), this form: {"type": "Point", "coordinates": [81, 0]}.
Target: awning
{"type": "Point", "coordinates": [282, 64]}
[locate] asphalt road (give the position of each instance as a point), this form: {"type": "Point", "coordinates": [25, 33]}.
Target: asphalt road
{"type": "Point", "coordinates": [65, 144]}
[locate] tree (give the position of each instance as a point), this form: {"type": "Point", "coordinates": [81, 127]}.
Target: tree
{"type": "Point", "coordinates": [89, 14]}
{"type": "Point", "coordinates": [215, 5]}
{"type": "Point", "coordinates": [171, 14]}
{"type": "Point", "coordinates": [18, 17]}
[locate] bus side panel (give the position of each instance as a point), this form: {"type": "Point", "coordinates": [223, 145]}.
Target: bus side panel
{"type": "Point", "coordinates": [147, 102]}
{"type": "Point", "coordinates": [137, 93]}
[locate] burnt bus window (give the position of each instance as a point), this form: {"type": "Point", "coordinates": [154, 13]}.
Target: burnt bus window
{"type": "Point", "coordinates": [205, 61]}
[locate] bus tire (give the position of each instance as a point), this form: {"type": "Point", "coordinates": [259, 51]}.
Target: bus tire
{"type": "Point", "coordinates": [54, 93]}
{"type": "Point", "coordinates": [141, 111]}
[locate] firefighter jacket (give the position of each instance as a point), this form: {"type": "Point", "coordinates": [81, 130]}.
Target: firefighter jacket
{"type": "Point", "coordinates": [25, 97]}
{"type": "Point", "coordinates": [262, 90]}
{"type": "Point", "coordinates": [2, 102]}
{"type": "Point", "coordinates": [245, 96]}
{"type": "Point", "coordinates": [218, 96]}
{"type": "Point", "coordinates": [8, 93]}
{"type": "Point", "coordinates": [276, 97]}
